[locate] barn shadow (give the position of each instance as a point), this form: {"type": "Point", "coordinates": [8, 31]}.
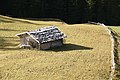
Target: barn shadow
{"type": "Point", "coordinates": [70, 47]}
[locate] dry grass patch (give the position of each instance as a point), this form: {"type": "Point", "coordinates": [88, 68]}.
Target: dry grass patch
{"type": "Point", "coordinates": [86, 54]}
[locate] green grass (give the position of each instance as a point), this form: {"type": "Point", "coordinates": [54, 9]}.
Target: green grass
{"type": "Point", "coordinates": [86, 54]}
{"type": "Point", "coordinates": [117, 30]}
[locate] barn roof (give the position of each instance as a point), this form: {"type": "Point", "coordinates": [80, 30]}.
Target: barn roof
{"type": "Point", "coordinates": [46, 34]}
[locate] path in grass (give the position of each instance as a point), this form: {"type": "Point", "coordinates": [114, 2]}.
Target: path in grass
{"type": "Point", "coordinates": [86, 54]}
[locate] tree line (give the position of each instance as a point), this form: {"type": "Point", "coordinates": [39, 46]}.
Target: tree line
{"type": "Point", "coordinates": [71, 11]}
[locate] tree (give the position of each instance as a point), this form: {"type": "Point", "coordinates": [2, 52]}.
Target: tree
{"type": "Point", "coordinates": [71, 11]}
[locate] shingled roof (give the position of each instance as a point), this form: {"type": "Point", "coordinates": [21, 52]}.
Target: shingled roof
{"type": "Point", "coordinates": [46, 34]}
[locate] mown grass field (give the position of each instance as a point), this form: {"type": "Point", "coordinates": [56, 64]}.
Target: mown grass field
{"type": "Point", "coordinates": [86, 54]}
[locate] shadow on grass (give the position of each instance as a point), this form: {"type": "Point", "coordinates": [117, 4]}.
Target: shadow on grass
{"type": "Point", "coordinates": [6, 45]}
{"type": "Point", "coordinates": [117, 55]}
{"type": "Point", "coordinates": [11, 30]}
{"type": "Point", "coordinates": [10, 49]}
{"type": "Point", "coordinates": [8, 37]}
{"type": "Point", "coordinates": [46, 19]}
{"type": "Point", "coordinates": [12, 20]}
{"type": "Point", "coordinates": [116, 37]}
{"type": "Point", "coordinates": [70, 47]}
{"type": "Point", "coordinates": [5, 21]}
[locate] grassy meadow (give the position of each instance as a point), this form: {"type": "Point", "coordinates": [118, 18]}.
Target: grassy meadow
{"type": "Point", "coordinates": [85, 55]}
{"type": "Point", "coordinates": [117, 72]}
{"type": "Point", "coordinates": [117, 30]}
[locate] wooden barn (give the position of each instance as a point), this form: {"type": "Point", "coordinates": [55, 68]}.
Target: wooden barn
{"type": "Point", "coordinates": [43, 38]}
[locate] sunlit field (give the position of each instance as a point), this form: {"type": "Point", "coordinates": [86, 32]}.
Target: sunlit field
{"type": "Point", "coordinates": [85, 55]}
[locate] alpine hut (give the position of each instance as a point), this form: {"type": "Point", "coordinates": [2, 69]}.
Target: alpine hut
{"type": "Point", "coordinates": [43, 38]}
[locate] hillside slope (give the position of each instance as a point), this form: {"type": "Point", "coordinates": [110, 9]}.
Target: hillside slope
{"type": "Point", "coordinates": [86, 54]}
